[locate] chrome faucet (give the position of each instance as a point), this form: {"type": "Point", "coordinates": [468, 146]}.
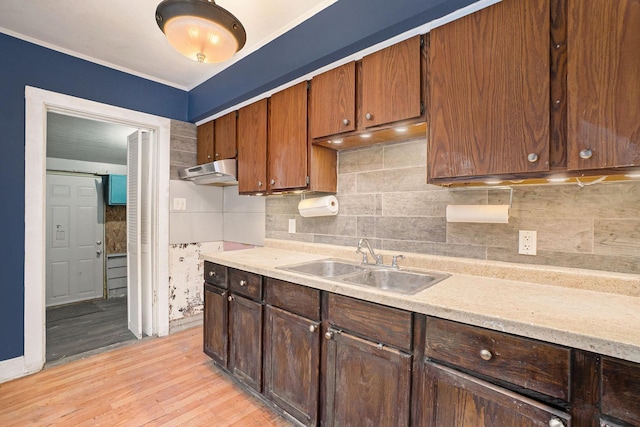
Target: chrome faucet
{"type": "Point", "coordinates": [365, 260]}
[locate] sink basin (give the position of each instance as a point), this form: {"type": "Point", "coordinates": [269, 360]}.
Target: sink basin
{"type": "Point", "coordinates": [324, 268]}
{"type": "Point", "coordinates": [389, 279]}
{"type": "Point", "coordinates": [400, 281]}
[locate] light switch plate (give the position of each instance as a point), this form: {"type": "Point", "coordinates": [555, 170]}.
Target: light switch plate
{"type": "Point", "coordinates": [292, 226]}
{"type": "Point", "coordinates": [179, 204]}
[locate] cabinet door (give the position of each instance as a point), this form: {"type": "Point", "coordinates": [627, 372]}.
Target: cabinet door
{"type": "Point", "coordinates": [454, 399]}
{"type": "Point", "coordinates": [287, 152]}
{"type": "Point", "coordinates": [489, 98]}
{"type": "Point", "coordinates": [391, 84]}
{"type": "Point", "coordinates": [367, 384]}
{"type": "Point", "coordinates": [292, 364]}
{"type": "Point", "coordinates": [225, 137]}
{"type": "Point", "coordinates": [252, 148]}
{"type": "Point", "coordinates": [333, 101]}
{"type": "Point", "coordinates": [603, 80]}
{"type": "Point", "coordinates": [215, 324]}
{"type": "Point", "coordinates": [245, 337]}
{"type": "Point", "coordinates": [205, 143]}
{"type": "Point", "coordinates": [621, 390]}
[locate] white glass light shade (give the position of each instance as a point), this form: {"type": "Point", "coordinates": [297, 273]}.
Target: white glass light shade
{"type": "Point", "coordinates": [200, 39]}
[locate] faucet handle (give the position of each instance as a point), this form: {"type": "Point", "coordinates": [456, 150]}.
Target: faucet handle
{"type": "Point", "coordinates": [365, 260]}
{"type": "Point", "coordinates": [394, 260]}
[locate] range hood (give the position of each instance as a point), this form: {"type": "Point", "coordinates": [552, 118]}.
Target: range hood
{"type": "Point", "coordinates": [220, 172]}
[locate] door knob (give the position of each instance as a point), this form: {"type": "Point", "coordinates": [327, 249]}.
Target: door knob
{"type": "Point", "coordinates": [99, 242]}
{"type": "Point", "coordinates": [98, 252]}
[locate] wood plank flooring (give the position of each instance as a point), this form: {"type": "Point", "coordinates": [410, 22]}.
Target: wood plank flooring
{"type": "Point", "coordinates": [165, 381]}
{"type": "Point", "coordinates": [77, 328]}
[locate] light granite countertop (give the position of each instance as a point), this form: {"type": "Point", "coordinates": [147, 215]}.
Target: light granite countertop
{"type": "Point", "coordinates": [590, 310]}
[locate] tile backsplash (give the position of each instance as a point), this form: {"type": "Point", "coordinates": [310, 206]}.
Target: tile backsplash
{"type": "Point", "coordinates": [384, 197]}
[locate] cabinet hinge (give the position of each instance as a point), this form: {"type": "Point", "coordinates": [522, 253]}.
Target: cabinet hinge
{"type": "Point", "coordinates": [308, 84]}
{"type": "Point", "coordinates": [237, 113]}
{"type": "Point", "coordinates": [308, 180]}
{"type": "Point", "coordinates": [421, 107]}
{"type": "Point", "coordinates": [421, 41]}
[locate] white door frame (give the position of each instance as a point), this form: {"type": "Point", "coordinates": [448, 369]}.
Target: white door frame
{"type": "Point", "coordinates": [37, 103]}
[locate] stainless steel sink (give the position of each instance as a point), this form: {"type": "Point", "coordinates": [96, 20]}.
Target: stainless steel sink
{"type": "Point", "coordinates": [400, 281]}
{"type": "Point", "coordinates": [381, 277]}
{"type": "Point", "coordinates": [324, 268]}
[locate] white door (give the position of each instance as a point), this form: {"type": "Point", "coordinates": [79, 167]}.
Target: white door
{"type": "Point", "coordinates": [75, 236]}
{"type": "Point", "coordinates": [139, 204]}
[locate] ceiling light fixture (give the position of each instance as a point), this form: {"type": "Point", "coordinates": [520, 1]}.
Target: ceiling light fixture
{"type": "Point", "coordinates": [200, 29]}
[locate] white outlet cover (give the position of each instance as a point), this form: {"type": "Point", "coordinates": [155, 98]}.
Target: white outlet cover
{"type": "Point", "coordinates": [527, 242]}
{"type": "Point", "coordinates": [292, 226]}
{"type": "Point", "coordinates": [179, 204]}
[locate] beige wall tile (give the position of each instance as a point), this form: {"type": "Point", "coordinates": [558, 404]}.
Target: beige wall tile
{"type": "Point", "coordinates": [392, 180]}
{"type": "Point", "coordinates": [359, 160]}
{"type": "Point", "coordinates": [617, 237]}
{"type": "Point", "coordinates": [403, 155]}
{"type": "Point", "coordinates": [411, 228]}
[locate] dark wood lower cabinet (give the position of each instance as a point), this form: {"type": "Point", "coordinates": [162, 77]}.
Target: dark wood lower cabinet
{"type": "Point", "coordinates": [454, 399]}
{"type": "Point", "coordinates": [216, 321]}
{"type": "Point", "coordinates": [245, 338]}
{"type": "Point", "coordinates": [292, 364]}
{"type": "Point", "coordinates": [367, 384]}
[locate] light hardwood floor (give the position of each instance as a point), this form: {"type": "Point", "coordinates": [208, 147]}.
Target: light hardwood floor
{"type": "Point", "coordinates": [156, 382]}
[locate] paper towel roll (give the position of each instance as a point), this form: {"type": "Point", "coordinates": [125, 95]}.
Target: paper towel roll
{"type": "Point", "coordinates": [478, 213]}
{"type": "Point", "coordinates": [318, 206]}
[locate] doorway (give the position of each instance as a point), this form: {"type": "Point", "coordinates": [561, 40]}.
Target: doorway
{"type": "Point", "coordinates": [38, 103]}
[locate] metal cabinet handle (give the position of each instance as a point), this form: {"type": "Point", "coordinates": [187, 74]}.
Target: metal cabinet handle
{"type": "Point", "coordinates": [212, 274]}
{"type": "Point", "coordinates": [230, 298]}
{"type": "Point", "coordinates": [556, 422]}
{"type": "Point", "coordinates": [259, 183]}
{"type": "Point", "coordinates": [313, 328]}
{"type": "Point", "coordinates": [328, 335]}
{"type": "Point", "coordinates": [273, 181]}
{"type": "Point", "coordinates": [485, 354]}
{"type": "Point", "coordinates": [586, 154]}
{"type": "Point", "coordinates": [532, 157]}
{"type": "Point", "coordinates": [243, 283]}
{"type": "Point", "coordinates": [345, 122]}
{"type": "Point", "coordinates": [368, 116]}
{"type": "Point", "coordinates": [208, 156]}
{"type": "Point", "coordinates": [217, 154]}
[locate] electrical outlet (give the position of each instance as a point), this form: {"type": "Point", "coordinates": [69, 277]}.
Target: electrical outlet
{"type": "Point", "coordinates": [527, 242]}
{"type": "Point", "coordinates": [292, 226]}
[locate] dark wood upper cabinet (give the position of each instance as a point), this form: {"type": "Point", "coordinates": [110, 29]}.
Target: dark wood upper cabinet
{"type": "Point", "coordinates": [205, 146]}
{"type": "Point", "coordinates": [489, 92]}
{"type": "Point", "coordinates": [603, 84]}
{"type": "Point", "coordinates": [287, 142]}
{"type": "Point", "coordinates": [252, 148]}
{"type": "Point", "coordinates": [391, 84]}
{"type": "Point", "coordinates": [454, 399]}
{"type": "Point", "coordinates": [225, 137]}
{"type": "Point", "coordinates": [332, 105]}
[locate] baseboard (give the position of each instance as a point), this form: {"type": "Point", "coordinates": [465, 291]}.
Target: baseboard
{"type": "Point", "coordinates": [186, 323]}
{"type": "Point", "coordinates": [14, 368]}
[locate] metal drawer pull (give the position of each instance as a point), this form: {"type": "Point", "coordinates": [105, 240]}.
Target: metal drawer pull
{"type": "Point", "coordinates": [328, 335]}
{"type": "Point", "coordinates": [345, 122]}
{"type": "Point", "coordinates": [230, 298]}
{"type": "Point", "coordinates": [485, 354]}
{"type": "Point", "coordinates": [586, 154]}
{"type": "Point", "coordinates": [313, 328]}
{"type": "Point", "coordinates": [368, 116]}
{"type": "Point", "coordinates": [212, 273]}
{"type": "Point", "coordinates": [243, 283]}
{"type": "Point", "coordinates": [532, 157]}
{"type": "Point", "coordinates": [556, 422]}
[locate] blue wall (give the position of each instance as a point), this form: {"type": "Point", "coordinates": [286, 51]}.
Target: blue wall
{"type": "Point", "coordinates": [22, 64]}
{"type": "Point", "coordinates": [343, 28]}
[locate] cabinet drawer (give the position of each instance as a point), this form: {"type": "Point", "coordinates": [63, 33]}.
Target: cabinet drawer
{"type": "Point", "coordinates": [215, 274]}
{"type": "Point", "coordinates": [297, 299]}
{"type": "Point", "coordinates": [621, 390]}
{"type": "Point", "coordinates": [527, 363]}
{"type": "Point", "coordinates": [379, 323]}
{"type": "Point", "coordinates": [245, 283]}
